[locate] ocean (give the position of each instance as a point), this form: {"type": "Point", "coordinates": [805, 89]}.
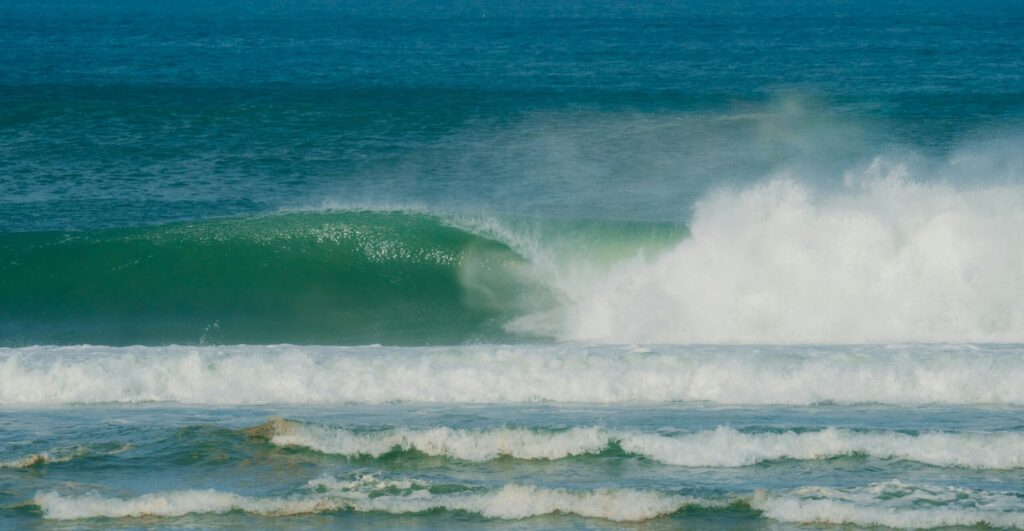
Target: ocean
{"type": "Point", "coordinates": [464, 264]}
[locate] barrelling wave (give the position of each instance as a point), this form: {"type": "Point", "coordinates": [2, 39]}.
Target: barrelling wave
{"type": "Point", "coordinates": [761, 265]}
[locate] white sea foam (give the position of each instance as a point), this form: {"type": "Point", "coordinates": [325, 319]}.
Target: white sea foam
{"type": "Point", "coordinates": [885, 259]}
{"type": "Point", "coordinates": [894, 504]}
{"type": "Point", "coordinates": [722, 447]}
{"type": "Point", "coordinates": [371, 494]}
{"type": "Point", "coordinates": [470, 445]}
{"type": "Point", "coordinates": [501, 374]}
{"type": "Point", "coordinates": [891, 503]}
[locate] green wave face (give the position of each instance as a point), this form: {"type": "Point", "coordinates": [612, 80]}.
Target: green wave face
{"type": "Point", "coordinates": [324, 277]}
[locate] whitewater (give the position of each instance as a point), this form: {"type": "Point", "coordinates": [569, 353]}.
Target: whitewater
{"type": "Point", "coordinates": [794, 354]}
{"type": "Point", "coordinates": [885, 259]}
{"type": "Point", "coordinates": [798, 375]}
{"type": "Point", "coordinates": [515, 502]}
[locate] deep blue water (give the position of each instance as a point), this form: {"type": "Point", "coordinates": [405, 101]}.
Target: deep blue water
{"type": "Point", "coordinates": [122, 113]}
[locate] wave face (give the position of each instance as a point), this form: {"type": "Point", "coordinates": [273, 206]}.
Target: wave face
{"type": "Point", "coordinates": [722, 447]}
{"type": "Point", "coordinates": [962, 374]}
{"type": "Point", "coordinates": [328, 277]}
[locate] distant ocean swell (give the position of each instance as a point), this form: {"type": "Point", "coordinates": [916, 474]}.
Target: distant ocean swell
{"type": "Point", "coordinates": [884, 259]}
{"type": "Point", "coordinates": [956, 374]}
{"type": "Point", "coordinates": [891, 503]}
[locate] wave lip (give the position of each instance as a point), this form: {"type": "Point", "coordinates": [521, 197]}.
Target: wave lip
{"type": "Point", "coordinates": [369, 494]}
{"type": "Point", "coordinates": [721, 447]}
{"type": "Point", "coordinates": [284, 374]}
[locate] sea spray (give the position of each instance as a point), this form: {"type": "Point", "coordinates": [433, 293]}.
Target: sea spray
{"type": "Point", "coordinates": [884, 259]}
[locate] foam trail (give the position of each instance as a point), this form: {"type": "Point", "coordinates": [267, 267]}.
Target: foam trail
{"type": "Point", "coordinates": [963, 374]}
{"type": "Point", "coordinates": [884, 260]}
{"type": "Point", "coordinates": [894, 504]}
{"type": "Point", "coordinates": [366, 494]}
{"type": "Point", "coordinates": [721, 447]}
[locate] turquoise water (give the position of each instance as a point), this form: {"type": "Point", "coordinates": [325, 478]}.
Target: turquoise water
{"type": "Point", "coordinates": [523, 265]}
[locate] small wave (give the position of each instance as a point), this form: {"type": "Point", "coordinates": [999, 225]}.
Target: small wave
{"type": "Point", "coordinates": [721, 447]}
{"type": "Point", "coordinates": [894, 504]}
{"type": "Point", "coordinates": [890, 504]}
{"type": "Point", "coordinates": [369, 493]}
{"type": "Point", "coordinates": [60, 455]}
{"type": "Point", "coordinates": [513, 374]}
{"type": "Point", "coordinates": [469, 445]}
{"type": "Point", "coordinates": [31, 460]}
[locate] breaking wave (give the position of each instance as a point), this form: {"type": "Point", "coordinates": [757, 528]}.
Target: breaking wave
{"type": "Point", "coordinates": [62, 455]}
{"type": "Point", "coordinates": [368, 493]}
{"type": "Point", "coordinates": [885, 259]}
{"type": "Point", "coordinates": [351, 277]}
{"type": "Point", "coordinates": [891, 503]}
{"type": "Point", "coordinates": [721, 447]}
